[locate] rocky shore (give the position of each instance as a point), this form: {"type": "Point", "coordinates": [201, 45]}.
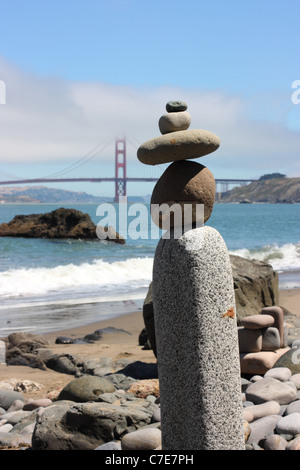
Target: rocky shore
{"type": "Point", "coordinates": [97, 388]}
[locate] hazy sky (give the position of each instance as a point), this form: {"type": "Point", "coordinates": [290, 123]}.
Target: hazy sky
{"type": "Point", "coordinates": [78, 74]}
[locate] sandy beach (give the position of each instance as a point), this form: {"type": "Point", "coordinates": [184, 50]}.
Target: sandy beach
{"type": "Point", "coordinates": [113, 345]}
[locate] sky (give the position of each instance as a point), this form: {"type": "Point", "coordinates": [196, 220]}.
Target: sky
{"type": "Point", "coordinates": [76, 75]}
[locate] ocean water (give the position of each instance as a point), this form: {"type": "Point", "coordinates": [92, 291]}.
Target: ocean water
{"type": "Point", "coordinates": [49, 285]}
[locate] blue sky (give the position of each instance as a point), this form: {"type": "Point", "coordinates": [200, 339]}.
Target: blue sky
{"type": "Point", "coordinates": [79, 73]}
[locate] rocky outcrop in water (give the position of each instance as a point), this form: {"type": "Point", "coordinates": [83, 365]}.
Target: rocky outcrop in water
{"type": "Point", "coordinates": [60, 223]}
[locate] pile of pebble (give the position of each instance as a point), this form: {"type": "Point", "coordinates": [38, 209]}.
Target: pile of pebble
{"type": "Point", "coordinates": [263, 339]}
{"type": "Point", "coordinates": [271, 412]}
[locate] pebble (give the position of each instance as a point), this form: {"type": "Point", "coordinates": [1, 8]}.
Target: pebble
{"type": "Point", "coordinates": [8, 397]}
{"type": "Point", "coordinates": [275, 442]}
{"type": "Point", "coordinates": [143, 439]}
{"type": "Point", "coordinates": [175, 106]}
{"type": "Point", "coordinates": [289, 424]}
{"type": "Point", "coordinates": [296, 380]}
{"type": "Point", "coordinates": [294, 444]}
{"type": "Point", "coordinates": [269, 389]}
{"type": "Point", "coordinates": [280, 373]}
{"type": "Point", "coordinates": [173, 122]}
{"type": "Point", "coordinates": [261, 427]}
{"type": "Point", "coordinates": [293, 408]}
{"type": "Point", "coordinates": [264, 409]}
{"type": "Point", "coordinates": [257, 321]}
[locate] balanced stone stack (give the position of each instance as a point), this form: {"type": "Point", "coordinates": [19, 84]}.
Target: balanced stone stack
{"type": "Point", "coordinates": [262, 340]}
{"type": "Point", "coordinates": [193, 296]}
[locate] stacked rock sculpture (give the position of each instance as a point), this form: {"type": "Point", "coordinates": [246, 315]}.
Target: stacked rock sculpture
{"type": "Point", "coordinates": [262, 340]}
{"type": "Point", "coordinates": [193, 297]}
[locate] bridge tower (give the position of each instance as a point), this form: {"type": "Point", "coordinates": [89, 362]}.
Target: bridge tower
{"type": "Point", "coordinates": [120, 169]}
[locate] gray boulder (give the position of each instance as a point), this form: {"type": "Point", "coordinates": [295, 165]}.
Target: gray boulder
{"type": "Point", "coordinates": [86, 426]}
{"type": "Point", "coordinates": [86, 388]}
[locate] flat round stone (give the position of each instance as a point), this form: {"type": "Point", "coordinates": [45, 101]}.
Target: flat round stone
{"type": "Point", "coordinates": [174, 106]}
{"type": "Point", "coordinates": [254, 322]}
{"type": "Point", "coordinates": [179, 145]}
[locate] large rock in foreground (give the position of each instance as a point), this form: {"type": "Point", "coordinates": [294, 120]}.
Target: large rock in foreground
{"type": "Point", "coordinates": [61, 223]}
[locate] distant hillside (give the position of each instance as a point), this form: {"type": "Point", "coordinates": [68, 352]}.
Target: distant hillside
{"type": "Point", "coordinates": [43, 194]}
{"type": "Point", "coordinates": [276, 190]}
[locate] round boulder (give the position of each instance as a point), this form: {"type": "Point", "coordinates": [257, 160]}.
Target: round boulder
{"type": "Point", "coordinates": [184, 186]}
{"type": "Point", "coordinates": [86, 388]}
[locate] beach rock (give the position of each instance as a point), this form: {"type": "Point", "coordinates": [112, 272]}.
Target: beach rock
{"type": "Point", "coordinates": [275, 442]}
{"type": "Point", "coordinates": [264, 409]}
{"type": "Point", "coordinates": [296, 380]}
{"type": "Point", "coordinates": [269, 389]}
{"type": "Point", "coordinates": [257, 321]}
{"type": "Point", "coordinates": [294, 444]}
{"type": "Point", "coordinates": [60, 223]}
{"type": "Point", "coordinates": [86, 388]}
{"type": "Point", "coordinates": [255, 286]}
{"type": "Point", "coordinates": [270, 339]}
{"type": "Point", "coordinates": [6, 427]}
{"type": "Point", "coordinates": [120, 381]}
{"type": "Point", "coordinates": [183, 183]}
{"type": "Point", "coordinates": [143, 439]}
{"type": "Point", "coordinates": [179, 145]}
{"type": "Point", "coordinates": [143, 388]}
{"type": "Point", "coordinates": [8, 397]}
{"type": "Point", "coordinates": [176, 106]}
{"type": "Point", "coordinates": [280, 373]}
{"type": "Point", "coordinates": [260, 362]}
{"type": "Point", "coordinates": [261, 428]}
{"type": "Point", "coordinates": [293, 407]}
{"type": "Point", "coordinates": [17, 405]}
{"type": "Point", "coordinates": [278, 315]}
{"type": "Point", "coordinates": [33, 404]}
{"type": "Point", "coordinates": [63, 363]}
{"type": "Point", "coordinates": [289, 424]}
{"type": "Point", "coordinates": [140, 370]}
{"type": "Point", "coordinates": [291, 360]}
{"type": "Point", "coordinates": [113, 445]}
{"type": "Point", "coordinates": [91, 424]}
{"type": "Point", "coordinates": [249, 340]}
{"type": "Point", "coordinates": [172, 122]}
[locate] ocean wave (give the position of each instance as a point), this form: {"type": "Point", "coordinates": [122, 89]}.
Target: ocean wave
{"type": "Point", "coordinates": [282, 258]}
{"type": "Point", "coordinates": [98, 275]}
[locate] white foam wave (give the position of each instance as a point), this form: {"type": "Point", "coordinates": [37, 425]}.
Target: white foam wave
{"type": "Point", "coordinates": [281, 258]}
{"type": "Point", "coordinates": [98, 275]}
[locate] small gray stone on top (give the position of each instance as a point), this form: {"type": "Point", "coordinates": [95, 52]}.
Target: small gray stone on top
{"type": "Point", "coordinates": [175, 106]}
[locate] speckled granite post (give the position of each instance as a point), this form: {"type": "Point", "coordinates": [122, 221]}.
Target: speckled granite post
{"type": "Point", "coordinates": [197, 344]}
{"type": "Point", "coordinates": [2, 352]}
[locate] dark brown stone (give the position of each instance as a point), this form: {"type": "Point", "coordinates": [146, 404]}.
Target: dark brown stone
{"type": "Point", "coordinates": [185, 182]}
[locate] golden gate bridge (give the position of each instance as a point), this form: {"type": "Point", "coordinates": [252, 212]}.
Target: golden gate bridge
{"type": "Point", "coordinates": [120, 178]}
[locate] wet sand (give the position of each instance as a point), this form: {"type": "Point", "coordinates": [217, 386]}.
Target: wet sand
{"type": "Point", "coordinates": [114, 345]}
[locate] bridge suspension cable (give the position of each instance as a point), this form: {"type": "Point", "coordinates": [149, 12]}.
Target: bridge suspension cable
{"type": "Point", "coordinates": [85, 159]}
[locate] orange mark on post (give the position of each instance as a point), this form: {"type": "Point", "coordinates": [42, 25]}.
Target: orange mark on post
{"type": "Point", "coordinates": [229, 313]}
